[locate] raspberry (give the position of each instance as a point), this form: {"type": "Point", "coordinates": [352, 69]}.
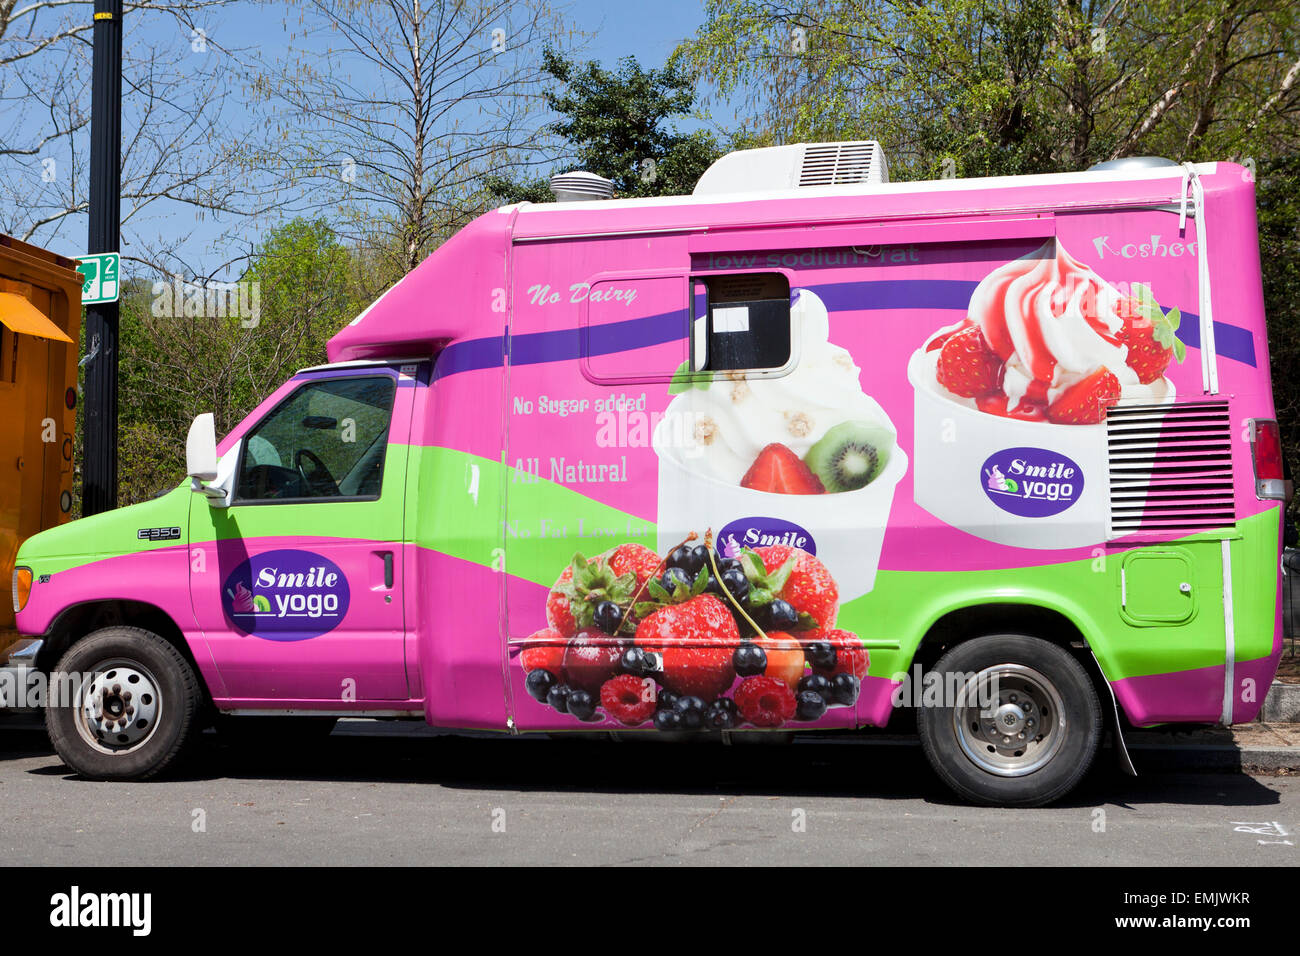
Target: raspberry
{"type": "Point", "coordinates": [765, 701]}
{"type": "Point", "coordinates": [629, 700]}
{"type": "Point", "coordinates": [850, 656]}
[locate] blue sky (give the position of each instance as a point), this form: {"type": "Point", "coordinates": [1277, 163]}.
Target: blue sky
{"type": "Point", "coordinates": [650, 31]}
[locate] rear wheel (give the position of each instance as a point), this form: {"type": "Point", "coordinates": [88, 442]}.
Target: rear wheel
{"type": "Point", "coordinates": [122, 704]}
{"type": "Point", "coordinates": [1023, 728]}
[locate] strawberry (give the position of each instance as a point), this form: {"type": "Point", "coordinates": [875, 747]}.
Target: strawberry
{"type": "Point", "coordinates": [784, 657]}
{"type": "Point", "coordinates": [571, 605]}
{"type": "Point", "coordinates": [806, 585]}
{"type": "Point", "coordinates": [765, 701]}
{"type": "Point", "coordinates": [778, 469]}
{"type": "Point", "coordinates": [558, 614]}
{"type": "Point", "coordinates": [1085, 402]}
{"type": "Point", "coordinates": [850, 656]}
{"type": "Point", "coordinates": [544, 650]}
{"type": "Point", "coordinates": [967, 366]}
{"type": "Point", "coordinates": [1148, 332]}
{"type": "Point", "coordinates": [636, 558]}
{"type": "Point", "coordinates": [696, 640]}
{"type": "Point", "coordinates": [629, 700]}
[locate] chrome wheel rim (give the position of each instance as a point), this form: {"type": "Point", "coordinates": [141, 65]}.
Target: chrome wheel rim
{"type": "Point", "coordinates": [119, 707]}
{"type": "Point", "coordinates": [1021, 729]}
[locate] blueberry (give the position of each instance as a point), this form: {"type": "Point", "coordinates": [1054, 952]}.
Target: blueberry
{"type": "Point", "coordinates": [666, 700]}
{"type": "Point", "coordinates": [730, 564]}
{"type": "Point", "coordinates": [691, 710]}
{"type": "Point", "coordinates": [736, 582]}
{"type": "Point", "coordinates": [781, 616]}
{"type": "Point", "coordinates": [608, 617]}
{"type": "Point", "coordinates": [558, 697]}
{"type": "Point", "coordinates": [750, 660]}
{"type": "Point", "coordinates": [818, 685]}
{"type": "Point", "coordinates": [844, 688]}
{"type": "Point", "coordinates": [678, 557]}
{"type": "Point", "coordinates": [809, 705]}
{"type": "Point", "coordinates": [820, 654]}
{"type": "Point", "coordinates": [698, 558]}
{"type": "Point", "coordinates": [668, 720]}
{"type": "Point", "coordinates": [721, 714]}
{"type": "Point", "coordinates": [672, 577]}
{"type": "Point", "coordinates": [581, 705]}
{"type": "Point", "coordinates": [637, 662]}
{"type": "Point", "coordinates": [539, 684]}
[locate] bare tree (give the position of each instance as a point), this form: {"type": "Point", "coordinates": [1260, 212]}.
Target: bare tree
{"type": "Point", "coordinates": [394, 124]}
{"type": "Point", "coordinates": [177, 153]}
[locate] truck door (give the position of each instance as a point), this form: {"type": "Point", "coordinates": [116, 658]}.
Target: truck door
{"type": "Point", "coordinates": [297, 585]}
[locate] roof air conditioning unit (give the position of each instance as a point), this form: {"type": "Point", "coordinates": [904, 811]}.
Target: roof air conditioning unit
{"type": "Point", "coordinates": [795, 166]}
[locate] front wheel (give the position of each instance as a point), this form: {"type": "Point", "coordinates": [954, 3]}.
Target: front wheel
{"type": "Point", "coordinates": [122, 704]}
{"type": "Point", "coordinates": [1019, 723]}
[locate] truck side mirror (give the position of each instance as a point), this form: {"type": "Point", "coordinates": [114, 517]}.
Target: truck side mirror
{"type": "Point", "coordinates": [201, 449]}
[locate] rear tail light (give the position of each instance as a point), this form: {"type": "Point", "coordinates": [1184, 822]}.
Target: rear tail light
{"type": "Point", "coordinates": [22, 587]}
{"type": "Point", "coordinates": [1266, 450]}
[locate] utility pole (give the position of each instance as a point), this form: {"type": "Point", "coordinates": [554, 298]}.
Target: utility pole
{"type": "Point", "coordinates": [99, 468]}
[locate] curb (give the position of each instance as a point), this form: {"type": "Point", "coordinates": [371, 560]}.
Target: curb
{"type": "Point", "coordinates": [1282, 703]}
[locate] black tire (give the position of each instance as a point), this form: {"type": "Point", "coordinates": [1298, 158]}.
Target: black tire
{"type": "Point", "coordinates": [174, 704]}
{"type": "Point", "coordinates": [1041, 770]}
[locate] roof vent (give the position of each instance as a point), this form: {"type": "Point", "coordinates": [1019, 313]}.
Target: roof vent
{"type": "Point", "coordinates": [795, 166]}
{"type": "Point", "coordinates": [1131, 163]}
{"type": "Point", "coordinates": [581, 187]}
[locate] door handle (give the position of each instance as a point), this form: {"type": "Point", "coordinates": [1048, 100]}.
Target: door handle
{"type": "Point", "coordinates": [388, 569]}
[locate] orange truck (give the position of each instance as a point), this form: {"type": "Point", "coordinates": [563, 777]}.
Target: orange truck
{"type": "Point", "coordinates": [40, 317]}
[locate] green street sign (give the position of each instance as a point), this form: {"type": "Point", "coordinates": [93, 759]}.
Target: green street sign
{"type": "Point", "coordinates": [100, 276]}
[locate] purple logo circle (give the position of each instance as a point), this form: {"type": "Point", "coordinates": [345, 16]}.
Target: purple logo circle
{"type": "Point", "coordinates": [1031, 482]}
{"type": "Point", "coordinates": [285, 595]}
{"type": "Point", "coordinates": [758, 532]}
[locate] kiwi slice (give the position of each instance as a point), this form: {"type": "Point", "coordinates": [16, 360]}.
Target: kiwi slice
{"type": "Point", "coordinates": [850, 455]}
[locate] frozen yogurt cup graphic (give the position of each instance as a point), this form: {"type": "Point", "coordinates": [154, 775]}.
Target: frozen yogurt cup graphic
{"type": "Point", "coordinates": [1011, 401]}
{"type": "Point", "coordinates": [805, 458]}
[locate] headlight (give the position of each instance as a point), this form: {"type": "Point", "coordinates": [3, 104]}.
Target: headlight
{"type": "Point", "coordinates": [22, 587]}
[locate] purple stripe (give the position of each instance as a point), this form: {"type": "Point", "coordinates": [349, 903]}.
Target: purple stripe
{"type": "Point", "coordinates": [1232, 341]}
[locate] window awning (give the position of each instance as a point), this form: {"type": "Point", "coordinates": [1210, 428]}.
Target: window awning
{"type": "Point", "coordinates": [19, 315]}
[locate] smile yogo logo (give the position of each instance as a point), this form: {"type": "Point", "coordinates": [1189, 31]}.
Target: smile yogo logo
{"type": "Point", "coordinates": [285, 595]}
{"type": "Point", "coordinates": [1031, 482]}
{"type": "Point", "coordinates": [758, 532]}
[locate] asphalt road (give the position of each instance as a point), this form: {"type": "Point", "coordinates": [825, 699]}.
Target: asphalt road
{"type": "Point", "coordinates": [352, 799]}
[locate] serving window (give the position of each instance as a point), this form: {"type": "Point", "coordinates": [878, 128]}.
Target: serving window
{"type": "Point", "coordinates": [742, 322]}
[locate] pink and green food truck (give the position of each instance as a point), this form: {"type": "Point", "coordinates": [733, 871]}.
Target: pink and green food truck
{"type": "Point", "coordinates": [764, 458]}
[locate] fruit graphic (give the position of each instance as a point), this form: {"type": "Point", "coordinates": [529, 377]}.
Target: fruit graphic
{"type": "Point", "coordinates": [1085, 402]}
{"type": "Point", "coordinates": [850, 455]}
{"type": "Point", "coordinates": [544, 650]}
{"type": "Point", "coordinates": [967, 366]}
{"type": "Point", "coordinates": [696, 641]}
{"type": "Point", "coordinates": [261, 604]}
{"type": "Point", "coordinates": [629, 700]}
{"type": "Point", "coordinates": [779, 470]}
{"type": "Point", "coordinates": [1149, 333]}
{"type": "Point", "coordinates": [850, 656]}
{"type": "Point", "coordinates": [590, 658]}
{"type": "Point", "coordinates": [807, 586]}
{"type": "Point", "coordinates": [765, 701]}
{"type": "Point", "coordinates": [785, 657]}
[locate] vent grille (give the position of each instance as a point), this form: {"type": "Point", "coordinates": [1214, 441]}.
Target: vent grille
{"type": "Point", "coordinates": [1170, 467]}
{"type": "Point", "coordinates": [842, 164]}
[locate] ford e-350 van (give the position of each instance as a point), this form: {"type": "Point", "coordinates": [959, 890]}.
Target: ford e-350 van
{"type": "Point", "coordinates": [739, 461]}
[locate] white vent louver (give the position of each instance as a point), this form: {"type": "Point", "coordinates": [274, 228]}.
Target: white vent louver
{"type": "Point", "coordinates": [581, 187]}
{"type": "Point", "coordinates": [795, 166]}
{"type": "Point", "coordinates": [1170, 467]}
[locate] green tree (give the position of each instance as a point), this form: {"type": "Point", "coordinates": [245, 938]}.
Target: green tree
{"type": "Point", "coordinates": [177, 361]}
{"type": "Point", "coordinates": [620, 124]}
